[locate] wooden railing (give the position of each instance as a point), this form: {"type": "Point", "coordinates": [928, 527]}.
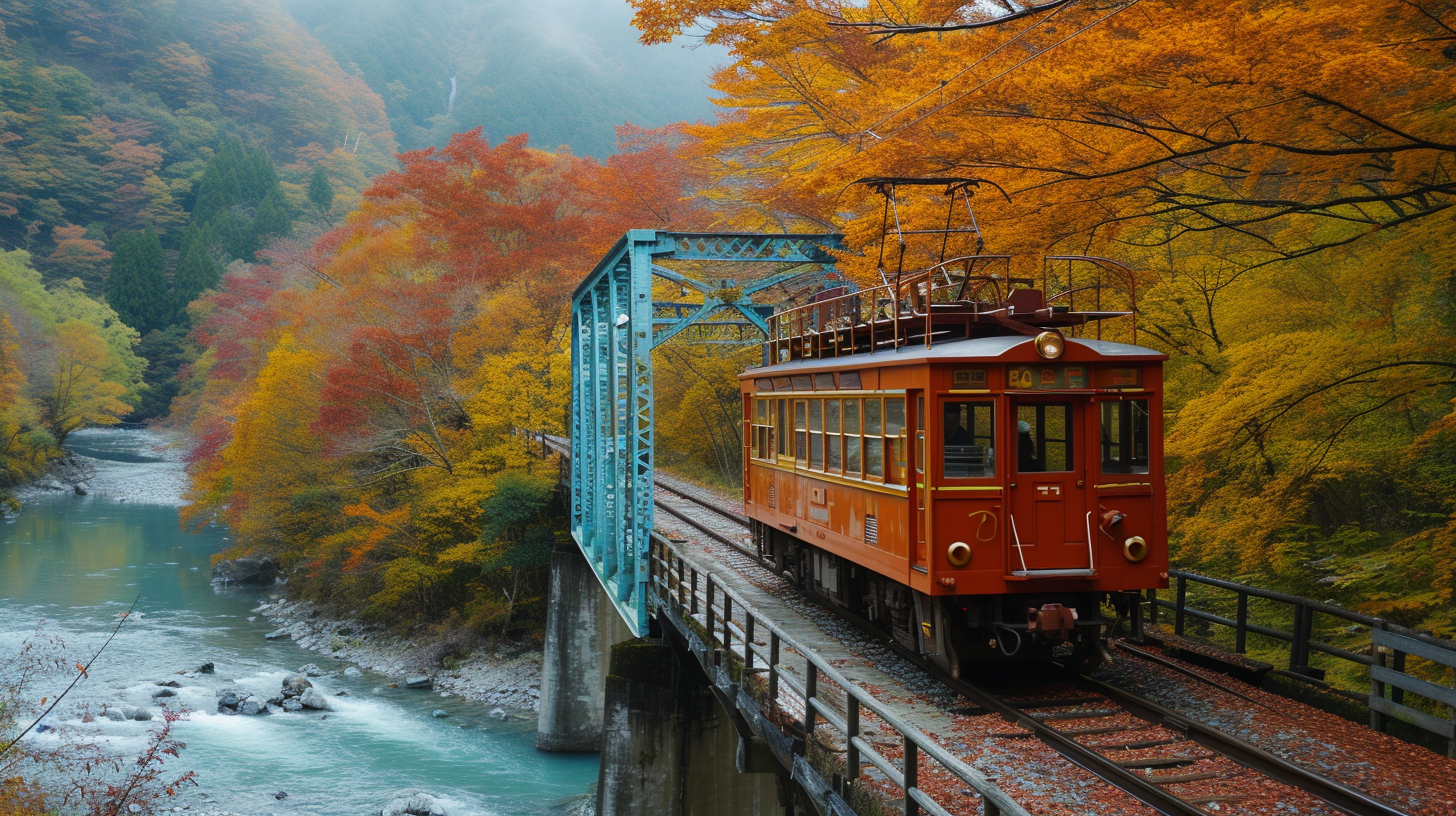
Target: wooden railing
{"type": "Point", "coordinates": [796, 699]}
{"type": "Point", "coordinates": [1382, 656]}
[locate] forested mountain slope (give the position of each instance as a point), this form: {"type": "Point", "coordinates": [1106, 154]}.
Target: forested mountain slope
{"type": "Point", "coordinates": [110, 111]}
{"type": "Point", "coordinates": [564, 72]}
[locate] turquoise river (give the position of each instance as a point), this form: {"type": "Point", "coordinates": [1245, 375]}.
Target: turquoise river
{"type": "Point", "coordinates": [71, 564]}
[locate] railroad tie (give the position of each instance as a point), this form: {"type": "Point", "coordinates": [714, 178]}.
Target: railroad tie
{"type": "Point", "coordinates": [1157, 762]}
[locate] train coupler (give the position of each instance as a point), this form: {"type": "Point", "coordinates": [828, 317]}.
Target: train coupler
{"type": "Point", "coordinates": [1053, 621]}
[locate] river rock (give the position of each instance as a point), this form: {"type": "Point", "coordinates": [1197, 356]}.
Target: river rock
{"type": "Point", "coordinates": [206, 668]}
{"type": "Point", "coordinates": [164, 692]}
{"type": "Point", "coordinates": [277, 634]}
{"type": "Point", "coordinates": [292, 704]}
{"type": "Point", "coordinates": [169, 683]}
{"type": "Point", "coordinates": [311, 670]}
{"type": "Point", "coordinates": [115, 714]}
{"type": "Point", "coordinates": [310, 698]}
{"type": "Point", "coordinates": [246, 572]}
{"type": "Point", "coordinates": [499, 714]}
{"type": "Point", "coordinates": [252, 707]}
{"type": "Point", "coordinates": [439, 712]}
{"type": "Point", "coordinates": [413, 803]}
{"type": "Point", "coordinates": [138, 714]}
{"type": "Point", "coordinates": [419, 682]}
{"type": "Point", "coordinates": [295, 684]}
{"type": "Point", "coordinates": [352, 671]}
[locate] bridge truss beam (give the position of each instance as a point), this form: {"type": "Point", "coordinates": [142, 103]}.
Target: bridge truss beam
{"type": "Point", "coordinates": [614, 330]}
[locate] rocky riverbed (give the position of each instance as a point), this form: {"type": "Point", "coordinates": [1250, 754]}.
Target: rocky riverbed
{"type": "Point", "coordinates": [507, 677]}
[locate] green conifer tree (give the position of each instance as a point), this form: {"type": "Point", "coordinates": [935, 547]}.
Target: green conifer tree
{"type": "Point", "coordinates": [197, 272]}
{"type": "Point", "coordinates": [320, 191]}
{"type": "Point", "coordinates": [137, 286]}
{"type": "Point", "coordinates": [272, 219]}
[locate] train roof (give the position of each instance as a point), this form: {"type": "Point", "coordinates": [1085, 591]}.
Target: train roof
{"type": "Point", "coordinates": [973, 348]}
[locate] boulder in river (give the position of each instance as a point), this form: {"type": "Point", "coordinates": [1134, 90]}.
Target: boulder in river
{"type": "Point", "coordinates": [247, 571]}
{"type": "Point", "coordinates": [439, 712]}
{"type": "Point", "coordinates": [310, 698]}
{"type": "Point", "coordinates": [164, 692]}
{"type": "Point", "coordinates": [252, 707]}
{"type": "Point", "coordinates": [277, 634]}
{"type": "Point", "coordinates": [413, 803]}
{"type": "Point", "coordinates": [170, 683]}
{"type": "Point", "coordinates": [353, 671]}
{"type": "Point", "coordinates": [138, 714]}
{"type": "Point", "coordinates": [311, 670]}
{"type": "Point", "coordinates": [295, 684]}
{"type": "Point", "coordinates": [292, 704]}
{"type": "Point", "coordinates": [206, 668]}
{"type": "Point", "coordinates": [419, 682]}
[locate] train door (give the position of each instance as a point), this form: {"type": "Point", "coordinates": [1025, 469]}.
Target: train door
{"type": "Point", "coordinates": [1049, 498]}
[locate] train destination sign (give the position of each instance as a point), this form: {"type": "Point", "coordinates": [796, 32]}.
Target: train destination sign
{"type": "Point", "coordinates": [1046, 378]}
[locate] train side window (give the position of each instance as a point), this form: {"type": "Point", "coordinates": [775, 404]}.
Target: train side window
{"type": "Point", "coordinates": [760, 429]}
{"type": "Point", "coordinates": [969, 439]}
{"type": "Point", "coordinates": [1044, 437]}
{"type": "Point", "coordinates": [801, 437]}
{"type": "Point", "coordinates": [895, 440]}
{"type": "Point", "coordinates": [816, 434]}
{"type": "Point", "coordinates": [833, 446]}
{"type": "Point", "coordinates": [851, 438]}
{"type": "Point", "coordinates": [1125, 436]}
{"type": "Point", "coordinates": [920, 439]}
{"type": "Point", "coordinates": [781, 429]}
{"type": "Point", "coordinates": [874, 447]}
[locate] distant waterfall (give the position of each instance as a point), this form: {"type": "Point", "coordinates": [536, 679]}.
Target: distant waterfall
{"type": "Point", "coordinates": [450, 106]}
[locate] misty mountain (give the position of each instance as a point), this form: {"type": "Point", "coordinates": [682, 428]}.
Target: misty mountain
{"type": "Point", "coordinates": [564, 71]}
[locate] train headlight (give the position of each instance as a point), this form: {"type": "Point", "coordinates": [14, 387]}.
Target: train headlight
{"type": "Point", "coordinates": [1050, 344]}
{"type": "Point", "coordinates": [1135, 549]}
{"type": "Point", "coordinates": [958, 554]}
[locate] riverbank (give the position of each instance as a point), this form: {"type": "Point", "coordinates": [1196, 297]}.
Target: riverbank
{"type": "Point", "coordinates": [507, 677]}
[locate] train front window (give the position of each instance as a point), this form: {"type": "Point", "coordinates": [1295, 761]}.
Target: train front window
{"type": "Point", "coordinates": [970, 440]}
{"type": "Point", "coordinates": [1125, 436]}
{"type": "Point", "coordinates": [1044, 437]}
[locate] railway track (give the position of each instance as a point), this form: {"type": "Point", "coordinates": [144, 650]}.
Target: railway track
{"type": "Point", "coordinates": [1091, 729]}
{"type": "Point", "coordinates": [1116, 751]}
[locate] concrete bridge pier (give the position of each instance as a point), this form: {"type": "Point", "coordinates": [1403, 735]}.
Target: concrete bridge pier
{"type": "Point", "coordinates": [582, 626]}
{"type": "Point", "coordinates": [670, 749]}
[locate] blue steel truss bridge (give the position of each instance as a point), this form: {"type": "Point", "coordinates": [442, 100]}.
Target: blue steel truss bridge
{"type": "Point", "coordinates": [622, 311]}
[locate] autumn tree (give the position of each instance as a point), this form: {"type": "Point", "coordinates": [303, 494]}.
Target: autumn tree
{"type": "Point", "coordinates": [77, 393]}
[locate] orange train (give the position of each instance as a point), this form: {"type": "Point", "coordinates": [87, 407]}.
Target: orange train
{"type": "Point", "coordinates": [959, 471]}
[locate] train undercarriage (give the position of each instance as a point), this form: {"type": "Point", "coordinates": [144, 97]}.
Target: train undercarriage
{"type": "Point", "coordinates": [950, 632]}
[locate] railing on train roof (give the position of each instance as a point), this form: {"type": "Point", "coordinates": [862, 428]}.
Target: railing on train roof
{"type": "Point", "coordinates": [746, 654]}
{"type": "Point", "coordinates": [1382, 657]}
{"type": "Point", "coordinates": [904, 310]}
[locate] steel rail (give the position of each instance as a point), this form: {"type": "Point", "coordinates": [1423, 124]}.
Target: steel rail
{"type": "Point", "coordinates": [736, 518]}
{"type": "Point", "coordinates": [1335, 794]}
{"type": "Point", "coordinates": [1332, 793]}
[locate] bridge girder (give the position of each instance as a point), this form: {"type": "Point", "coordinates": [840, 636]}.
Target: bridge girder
{"type": "Point", "coordinates": [613, 333]}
